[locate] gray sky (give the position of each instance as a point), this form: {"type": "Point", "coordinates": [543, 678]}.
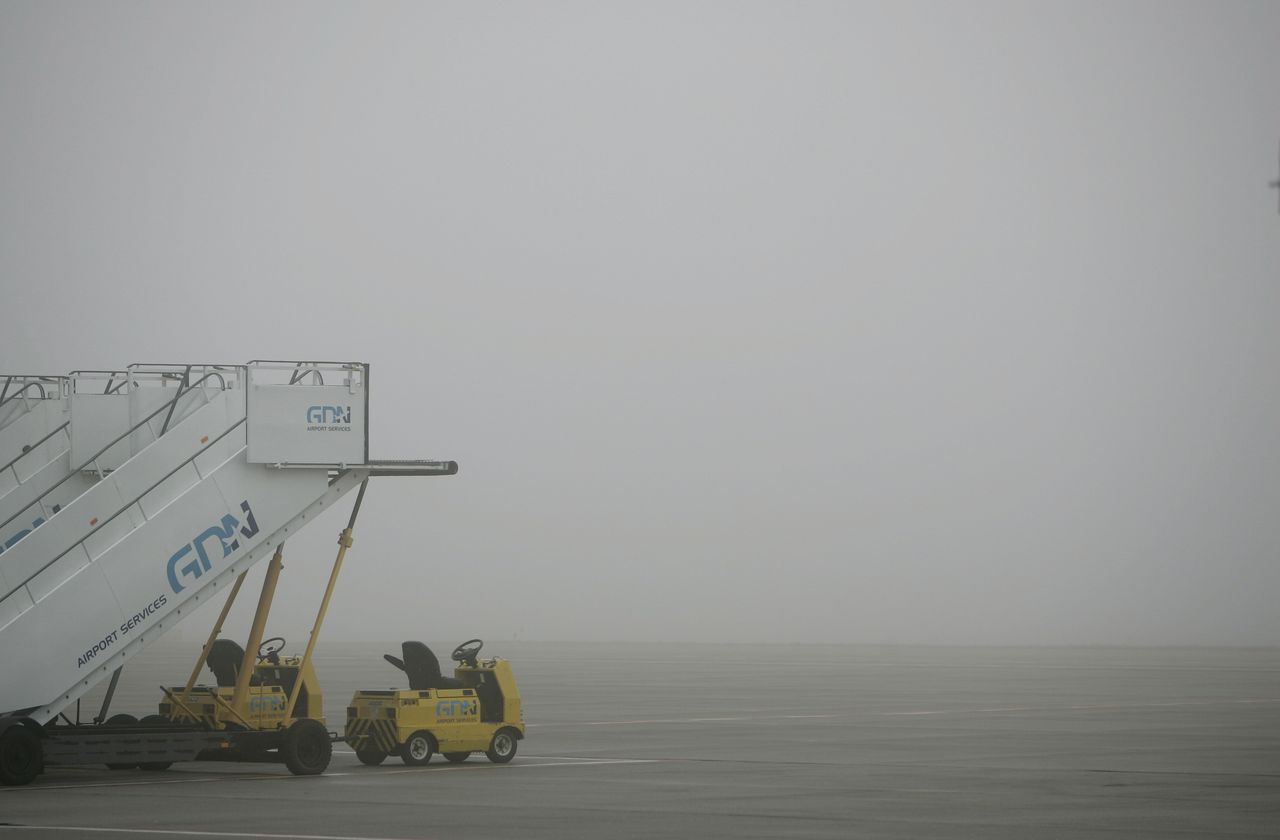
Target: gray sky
{"type": "Point", "coordinates": [746, 321]}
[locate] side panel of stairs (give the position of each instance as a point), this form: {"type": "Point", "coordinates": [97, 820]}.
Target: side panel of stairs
{"type": "Point", "coordinates": [74, 620]}
{"type": "Point", "coordinates": [174, 517]}
{"type": "Point", "coordinates": [21, 394]}
{"type": "Point", "coordinates": [102, 514]}
{"type": "Point", "coordinates": [30, 426]}
{"type": "Point", "coordinates": [36, 473]}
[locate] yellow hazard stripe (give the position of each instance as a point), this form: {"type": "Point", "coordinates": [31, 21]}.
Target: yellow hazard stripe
{"type": "Point", "coordinates": [380, 733]}
{"type": "Point", "coordinates": [385, 735]}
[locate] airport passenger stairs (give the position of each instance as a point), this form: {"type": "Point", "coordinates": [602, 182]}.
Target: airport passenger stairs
{"type": "Point", "coordinates": [21, 396]}
{"type": "Point", "coordinates": [35, 431]}
{"type": "Point", "coordinates": [33, 411]}
{"type": "Point", "coordinates": [53, 451]}
{"type": "Point", "coordinates": [200, 489]}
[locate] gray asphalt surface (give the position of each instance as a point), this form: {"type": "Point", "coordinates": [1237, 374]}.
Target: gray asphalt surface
{"type": "Point", "coordinates": [716, 741]}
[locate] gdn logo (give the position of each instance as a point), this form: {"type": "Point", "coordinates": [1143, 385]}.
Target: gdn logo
{"type": "Point", "coordinates": [270, 703]}
{"type": "Point", "coordinates": [329, 418]}
{"type": "Point", "coordinates": [455, 708]}
{"type": "Point", "coordinates": [16, 538]}
{"type": "Point", "coordinates": [225, 532]}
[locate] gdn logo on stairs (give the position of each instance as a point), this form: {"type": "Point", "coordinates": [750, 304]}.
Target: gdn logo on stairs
{"type": "Point", "coordinates": [329, 418]}
{"type": "Point", "coordinates": [225, 532]}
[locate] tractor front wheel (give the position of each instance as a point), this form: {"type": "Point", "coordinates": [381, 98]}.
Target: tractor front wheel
{"type": "Point", "coordinates": [503, 746]}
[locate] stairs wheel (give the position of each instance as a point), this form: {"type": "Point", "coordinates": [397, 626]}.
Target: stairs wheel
{"type": "Point", "coordinates": [155, 720]}
{"type": "Point", "coordinates": [122, 720]}
{"type": "Point", "coordinates": [21, 755]}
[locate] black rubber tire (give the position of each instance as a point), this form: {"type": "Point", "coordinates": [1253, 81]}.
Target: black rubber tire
{"type": "Point", "coordinates": [122, 720]}
{"type": "Point", "coordinates": [21, 756]}
{"type": "Point", "coordinates": [456, 758]}
{"type": "Point", "coordinates": [306, 748]}
{"type": "Point", "coordinates": [371, 757]}
{"type": "Point", "coordinates": [503, 746]}
{"type": "Point", "coordinates": [154, 720]}
{"type": "Point", "coordinates": [418, 749]}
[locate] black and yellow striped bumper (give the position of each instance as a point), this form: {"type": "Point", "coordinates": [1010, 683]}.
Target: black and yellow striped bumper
{"type": "Point", "coordinates": [363, 733]}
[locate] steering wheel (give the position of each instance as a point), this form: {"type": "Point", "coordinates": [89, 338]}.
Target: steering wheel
{"type": "Point", "coordinates": [270, 647]}
{"type": "Point", "coordinates": [466, 652]}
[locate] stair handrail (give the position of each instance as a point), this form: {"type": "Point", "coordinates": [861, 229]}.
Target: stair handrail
{"type": "Point", "coordinates": [303, 368]}
{"type": "Point", "coordinates": [222, 381]}
{"type": "Point", "coordinates": [112, 385]}
{"type": "Point", "coordinates": [32, 384]}
{"type": "Point", "coordinates": [166, 406]}
{"type": "Point", "coordinates": [32, 448]}
{"type": "Point", "coordinates": [301, 373]}
{"type": "Point", "coordinates": [46, 378]}
{"type": "Point", "coordinates": [103, 523]}
{"type": "Point", "coordinates": [181, 372]}
{"type": "Point", "coordinates": [186, 374]}
{"type": "Point", "coordinates": [35, 382]}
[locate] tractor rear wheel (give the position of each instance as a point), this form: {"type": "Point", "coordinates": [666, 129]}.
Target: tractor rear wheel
{"type": "Point", "coordinates": [307, 748]}
{"type": "Point", "coordinates": [418, 749]}
{"type": "Point", "coordinates": [372, 757]}
{"type": "Point", "coordinates": [20, 755]}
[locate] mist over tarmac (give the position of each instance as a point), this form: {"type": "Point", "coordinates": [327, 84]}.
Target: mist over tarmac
{"type": "Point", "coordinates": [848, 322]}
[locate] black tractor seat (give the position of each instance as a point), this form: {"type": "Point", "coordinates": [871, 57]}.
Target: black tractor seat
{"type": "Point", "coordinates": [422, 667]}
{"type": "Point", "coordinates": [224, 660]}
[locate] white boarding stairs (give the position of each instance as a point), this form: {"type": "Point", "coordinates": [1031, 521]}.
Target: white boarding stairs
{"type": "Point", "coordinates": [34, 430]}
{"type": "Point", "coordinates": [45, 452]}
{"type": "Point", "coordinates": [22, 395]}
{"type": "Point", "coordinates": [173, 524]}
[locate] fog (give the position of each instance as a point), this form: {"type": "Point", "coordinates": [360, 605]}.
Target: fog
{"type": "Point", "coordinates": [841, 322]}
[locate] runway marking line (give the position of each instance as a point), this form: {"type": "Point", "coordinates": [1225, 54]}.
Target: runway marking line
{"type": "Point", "coordinates": [1085, 707]}
{"type": "Point", "coordinates": [546, 761]}
{"type": "Point", "coordinates": [919, 712]}
{"type": "Point", "coordinates": [190, 833]}
{"type": "Point", "coordinates": [478, 766]}
{"type": "Point", "coordinates": [229, 778]}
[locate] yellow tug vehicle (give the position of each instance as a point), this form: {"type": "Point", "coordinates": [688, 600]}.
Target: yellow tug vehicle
{"type": "Point", "coordinates": [266, 727]}
{"type": "Point", "coordinates": [475, 710]}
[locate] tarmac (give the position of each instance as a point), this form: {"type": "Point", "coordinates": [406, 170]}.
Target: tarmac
{"type": "Point", "coordinates": [738, 741]}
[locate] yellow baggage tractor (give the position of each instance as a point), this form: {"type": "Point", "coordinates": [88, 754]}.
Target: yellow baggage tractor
{"type": "Point", "coordinates": [265, 726]}
{"type": "Point", "coordinates": [475, 710]}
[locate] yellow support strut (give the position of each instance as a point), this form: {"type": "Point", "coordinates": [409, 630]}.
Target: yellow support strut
{"type": "Point", "coordinates": [240, 699]}
{"type": "Point", "coordinates": [213, 635]}
{"type": "Point", "coordinates": [344, 542]}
